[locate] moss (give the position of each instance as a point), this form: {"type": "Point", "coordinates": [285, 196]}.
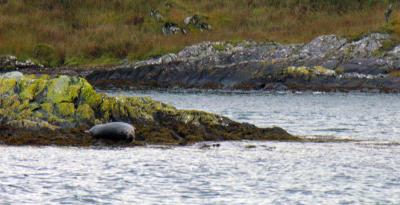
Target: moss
{"type": "Point", "coordinates": [88, 95]}
{"type": "Point", "coordinates": [308, 73]}
{"type": "Point", "coordinates": [387, 46]}
{"type": "Point", "coordinates": [47, 107]}
{"type": "Point", "coordinates": [62, 89]}
{"type": "Point", "coordinates": [298, 71]}
{"type": "Point", "coordinates": [65, 109]}
{"type": "Point", "coordinates": [105, 108]}
{"type": "Point", "coordinates": [395, 74]}
{"type": "Point", "coordinates": [339, 70]}
{"type": "Point", "coordinates": [32, 125]}
{"type": "Point", "coordinates": [7, 86]}
{"type": "Point", "coordinates": [31, 88]}
{"type": "Point", "coordinates": [319, 70]}
{"type": "Point", "coordinates": [198, 117]}
{"type": "Point", "coordinates": [219, 47]}
{"type": "Point", "coordinates": [85, 113]}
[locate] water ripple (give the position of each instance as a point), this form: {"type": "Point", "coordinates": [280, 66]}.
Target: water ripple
{"type": "Point", "coordinates": [356, 172]}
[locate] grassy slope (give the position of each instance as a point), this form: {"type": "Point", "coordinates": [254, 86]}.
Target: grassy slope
{"type": "Point", "coordinates": [103, 32]}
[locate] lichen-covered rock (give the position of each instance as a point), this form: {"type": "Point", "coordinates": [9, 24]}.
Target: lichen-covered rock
{"type": "Point", "coordinates": [323, 46]}
{"type": "Point", "coordinates": [12, 62]}
{"type": "Point", "coordinates": [60, 110]}
{"type": "Point", "coordinates": [308, 72]}
{"type": "Point", "coordinates": [366, 46]}
{"type": "Point", "coordinates": [14, 74]}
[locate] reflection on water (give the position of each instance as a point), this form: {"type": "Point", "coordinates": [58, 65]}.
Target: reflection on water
{"type": "Point", "coordinates": [236, 172]}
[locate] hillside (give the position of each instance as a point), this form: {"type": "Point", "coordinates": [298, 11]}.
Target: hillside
{"type": "Point", "coordinates": [94, 32]}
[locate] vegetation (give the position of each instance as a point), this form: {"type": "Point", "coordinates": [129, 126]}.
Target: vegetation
{"type": "Point", "coordinates": [92, 32]}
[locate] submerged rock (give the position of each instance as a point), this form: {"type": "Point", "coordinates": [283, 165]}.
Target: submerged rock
{"type": "Point", "coordinates": [60, 109]}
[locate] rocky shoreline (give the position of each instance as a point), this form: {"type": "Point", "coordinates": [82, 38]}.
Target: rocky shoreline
{"type": "Point", "coordinates": [328, 63]}
{"type": "Point", "coordinates": [55, 106]}
{"type": "Point", "coordinates": [45, 110]}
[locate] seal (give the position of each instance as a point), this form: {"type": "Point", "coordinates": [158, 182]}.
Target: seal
{"type": "Point", "coordinates": [116, 131]}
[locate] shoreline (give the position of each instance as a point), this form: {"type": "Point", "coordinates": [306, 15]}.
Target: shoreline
{"type": "Point", "coordinates": [327, 64]}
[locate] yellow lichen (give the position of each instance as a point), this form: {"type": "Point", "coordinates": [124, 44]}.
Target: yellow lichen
{"type": "Point", "coordinates": [65, 109]}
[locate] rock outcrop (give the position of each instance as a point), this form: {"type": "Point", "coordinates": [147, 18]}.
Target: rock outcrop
{"type": "Point", "coordinates": [41, 110]}
{"type": "Point", "coordinates": [9, 62]}
{"type": "Point", "coordinates": [326, 63]}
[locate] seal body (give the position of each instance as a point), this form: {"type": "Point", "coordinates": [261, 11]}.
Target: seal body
{"type": "Point", "coordinates": [116, 131]}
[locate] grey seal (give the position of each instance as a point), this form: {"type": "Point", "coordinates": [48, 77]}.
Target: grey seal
{"type": "Point", "coordinates": [116, 131]}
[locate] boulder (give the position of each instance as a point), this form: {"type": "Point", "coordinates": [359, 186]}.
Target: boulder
{"type": "Point", "coordinates": [170, 28]}
{"type": "Point", "coordinates": [198, 22]}
{"type": "Point", "coordinates": [366, 46]}
{"type": "Point", "coordinates": [14, 74]}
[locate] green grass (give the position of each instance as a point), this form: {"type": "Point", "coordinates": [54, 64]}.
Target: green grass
{"type": "Point", "coordinates": [97, 32]}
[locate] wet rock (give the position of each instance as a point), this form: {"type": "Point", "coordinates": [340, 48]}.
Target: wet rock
{"type": "Point", "coordinates": [250, 146]}
{"type": "Point", "coordinates": [209, 146]}
{"type": "Point", "coordinates": [60, 109]}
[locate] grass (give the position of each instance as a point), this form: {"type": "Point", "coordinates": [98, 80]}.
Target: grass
{"type": "Point", "coordinates": [96, 32]}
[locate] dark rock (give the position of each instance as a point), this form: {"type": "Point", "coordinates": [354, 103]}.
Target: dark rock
{"type": "Point", "coordinates": [171, 28]}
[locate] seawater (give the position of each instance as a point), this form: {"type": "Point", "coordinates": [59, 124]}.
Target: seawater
{"type": "Point", "coordinates": [365, 171]}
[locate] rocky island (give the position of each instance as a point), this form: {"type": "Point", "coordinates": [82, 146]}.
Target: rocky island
{"type": "Point", "coordinates": [44, 110]}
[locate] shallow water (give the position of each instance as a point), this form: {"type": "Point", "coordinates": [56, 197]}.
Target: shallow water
{"type": "Point", "coordinates": [271, 173]}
